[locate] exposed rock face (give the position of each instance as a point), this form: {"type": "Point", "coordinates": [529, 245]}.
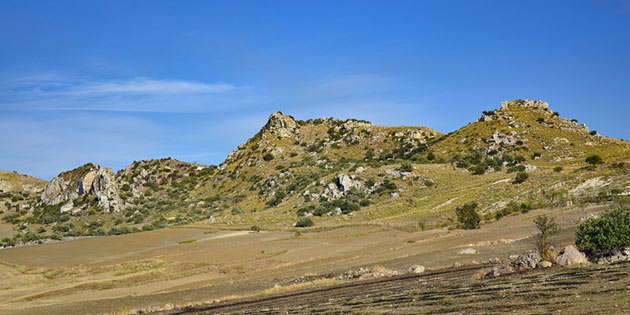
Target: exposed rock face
{"type": "Point", "coordinates": [571, 256]}
{"type": "Point", "coordinates": [347, 182]}
{"type": "Point", "coordinates": [525, 103]}
{"type": "Point", "coordinates": [89, 179]}
{"type": "Point", "coordinates": [281, 125]}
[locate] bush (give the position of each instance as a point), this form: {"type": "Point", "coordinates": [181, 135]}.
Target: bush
{"type": "Point", "coordinates": [467, 217]}
{"type": "Point", "coordinates": [521, 177]}
{"type": "Point", "coordinates": [268, 157]}
{"type": "Point", "coordinates": [255, 228]}
{"type": "Point", "coordinates": [406, 167]}
{"type": "Point", "coordinates": [547, 227]}
{"type": "Point", "coordinates": [304, 222]}
{"type": "Point", "coordinates": [610, 231]}
{"type": "Point", "coordinates": [594, 160]}
{"type": "Point", "coordinates": [558, 169]}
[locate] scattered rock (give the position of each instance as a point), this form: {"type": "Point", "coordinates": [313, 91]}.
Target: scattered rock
{"type": "Point", "coordinates": [528, 260]}
{"type": "Point", "coordinates": [544, 264]}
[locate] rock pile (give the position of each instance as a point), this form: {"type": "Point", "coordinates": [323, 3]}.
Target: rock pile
{"type": "Point", "coordinates": [531, 259]}
{"type": "Point", "coordinates": [611, 257]}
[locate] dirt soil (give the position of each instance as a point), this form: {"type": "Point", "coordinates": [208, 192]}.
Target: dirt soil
{"type": "Point", "coordinates": [581, 290]}
{"type": "Point", "coordinates": [183, 266]}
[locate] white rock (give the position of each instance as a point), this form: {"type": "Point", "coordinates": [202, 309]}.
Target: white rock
{"type": "Point", "coordinates": [416, 269]}
{"type": "Point", "coordinates": [468, 251]}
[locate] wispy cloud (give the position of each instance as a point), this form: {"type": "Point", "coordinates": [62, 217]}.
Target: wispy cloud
{"type": "Point", "coordinates": [144, 85]}
{"type": "Point", "coordinates": [55, 92]}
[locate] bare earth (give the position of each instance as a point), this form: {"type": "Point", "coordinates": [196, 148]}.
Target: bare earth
{"type": "Point", "coordinates": [195, 265]}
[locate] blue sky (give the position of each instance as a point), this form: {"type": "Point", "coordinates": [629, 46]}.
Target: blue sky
{"type": "Point", "coordinates": [116, 81]}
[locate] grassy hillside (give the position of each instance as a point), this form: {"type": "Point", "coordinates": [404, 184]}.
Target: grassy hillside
{"type": "Point", "coordinates": [349, 172]}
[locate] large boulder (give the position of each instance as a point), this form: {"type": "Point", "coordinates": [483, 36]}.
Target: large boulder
{"type": "Point", "coordinates": [571, 256]}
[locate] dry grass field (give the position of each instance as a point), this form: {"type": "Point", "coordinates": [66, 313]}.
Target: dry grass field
{"type": "Point", "coordinates": [193, 265]}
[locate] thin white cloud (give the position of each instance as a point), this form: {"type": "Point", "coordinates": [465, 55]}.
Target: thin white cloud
{"type": "Point", "coordinates": [50, 92]}
{"type": "Point", "coordinates": [143, 85]}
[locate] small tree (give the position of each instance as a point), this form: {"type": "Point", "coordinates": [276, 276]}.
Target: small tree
{"type": "Point", "coordinates": [547, 227]}
{"type": "Point", "coordinates": [594, 160]}
{"type": "Point", "coordinates": [467, 217]}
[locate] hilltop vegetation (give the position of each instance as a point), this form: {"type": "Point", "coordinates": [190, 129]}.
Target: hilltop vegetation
{"type": "Point", "coordinates": [345, 172]}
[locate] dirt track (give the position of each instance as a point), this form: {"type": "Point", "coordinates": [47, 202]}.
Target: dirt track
{"type": "Point", "coordinates": [583, 290]}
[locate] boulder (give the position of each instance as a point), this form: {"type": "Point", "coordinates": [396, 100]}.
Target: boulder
{"type": "Point", "coordinates": [416, 269]}
{"type": "Point", "coordinates": [571, 256]}
{"type": "Point", "coordinates": [499, 271]}
{"type": "Point", "coordinates": [544, 264]}
{"type": "Point", "coordinates": [468, 251]}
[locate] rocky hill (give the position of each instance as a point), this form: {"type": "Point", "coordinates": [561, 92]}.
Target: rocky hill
{"type": "Point", "coordinates": [339, 172]}
{"type": "Point", "coordinates": [19, 191]}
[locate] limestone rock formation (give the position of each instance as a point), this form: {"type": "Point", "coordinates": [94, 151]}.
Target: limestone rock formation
{"type": "Point", "coordinates": [90, 180]}
{"type": "Point", "coordinates": [281, 125]}
{"type": "Point", "coordinates": [525, 103]}
{"type": "Point", "coordinates": [347, 182]}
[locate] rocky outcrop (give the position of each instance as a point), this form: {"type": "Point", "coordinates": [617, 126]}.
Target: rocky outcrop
{"type": "Point", "coordinates": [525, 103]}
{"type": "Point", "coordinates": [90, 180]}
{"type": "Point", "coordinates": [347, 182]}
{"type": "Point", "coordinates": [281, 125]}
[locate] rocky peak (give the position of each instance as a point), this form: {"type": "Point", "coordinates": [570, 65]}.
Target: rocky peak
{"type": "Point", "coordinates": [525, 103]}
{"type": "Point", "coordinates": [89, 179]}
{"type": "Point", "coordinates": [281, 125]}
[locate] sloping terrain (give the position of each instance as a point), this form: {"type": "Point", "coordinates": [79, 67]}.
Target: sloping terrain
{"type": "Point", "coordinates": [330, 173]}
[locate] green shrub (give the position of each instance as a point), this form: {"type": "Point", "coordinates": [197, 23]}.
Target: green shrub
{"type": "Point", "coordinates": [304, 222]}
{"type": "Point", "coordinates": [521, 177]}
{"type": "Point", "coordinates": [594, 160]}
{"type": "Point", "coordinates": [268, 157]}
{"type": "Point", "coordinates": [255, 228]}
{"type": "Point", "coordinates": [406, 167]}
{"type": "Point", "coordinates": [558, 169]}
{"type": "Point", "coordinates": [610, 231]}
{"type": "Point", "coordinates": [467, 216]}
